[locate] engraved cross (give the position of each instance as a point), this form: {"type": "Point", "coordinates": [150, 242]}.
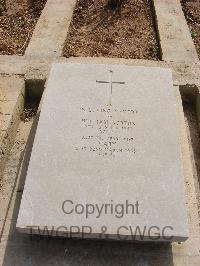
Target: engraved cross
{"type": "Point", "coordinates": [111, 82]}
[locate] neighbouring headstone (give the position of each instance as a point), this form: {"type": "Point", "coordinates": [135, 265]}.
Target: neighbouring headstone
{"type": "Point", "coordinates": [106, 157]}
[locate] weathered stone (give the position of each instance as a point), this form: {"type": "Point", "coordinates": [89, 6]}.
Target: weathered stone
{"type": "Point", "coordinates": [12, 91]}
{"type": "Point", "coordinates": [175, 39]}
{"type": "Point", "coordinates": [51, 30]}
{"type": "Point", "coordinates": [99, 144]}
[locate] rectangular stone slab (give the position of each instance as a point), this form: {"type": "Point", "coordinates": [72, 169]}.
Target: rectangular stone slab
{"type": "Point", "coordinates": [106, 157]}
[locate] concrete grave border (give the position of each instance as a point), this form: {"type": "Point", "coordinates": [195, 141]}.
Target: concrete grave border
{"type": "Point", "coordinates": [45, 47]}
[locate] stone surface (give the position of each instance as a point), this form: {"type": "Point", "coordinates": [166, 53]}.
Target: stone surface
{"type": "Point", "coordinates": [51, 30]}
{"type": "Point", "coordinates": [175, 39]}
{"type": "Point", "coordinates": [11, 171]}
{"type": "Point", "coordinates": [12, 91]}
{"type": "Point", "coordinates": [97, 144]}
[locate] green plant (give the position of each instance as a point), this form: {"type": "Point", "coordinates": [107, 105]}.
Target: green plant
{"type": "Point", "coordinates": [193, 33]}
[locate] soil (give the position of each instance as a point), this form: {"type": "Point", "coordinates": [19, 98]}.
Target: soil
{"type": "Point", "coordinates": [101, 30]}
{"type": "Point", "coordinates": [30, 108]}
{"type": "Point", "coordinates": [17, 22]}
{"type": "Point", "coordinates": [191, 10]}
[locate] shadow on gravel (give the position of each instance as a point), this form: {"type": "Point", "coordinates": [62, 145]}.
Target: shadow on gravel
{"type": "Point", "coordinates": [194, 138]}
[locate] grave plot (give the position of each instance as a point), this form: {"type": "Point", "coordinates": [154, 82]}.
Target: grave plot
{"type": "Point", "coordinates": [17, 249]}
{"type": "Point", "coordinates": [17, 22]}
{"type": "Point", "coordinates": [192, 13]}
{"type": "Point", "coordinates": [100, 29]}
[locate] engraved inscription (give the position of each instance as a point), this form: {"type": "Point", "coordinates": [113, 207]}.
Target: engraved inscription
{"type": "Point", "coordinates": [111, 82]}
{"type": "Point", "coordinates": [107, 131]}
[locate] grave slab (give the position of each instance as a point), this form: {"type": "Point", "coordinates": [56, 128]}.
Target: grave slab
{"type": "Point", "coordinates": [106, 158]}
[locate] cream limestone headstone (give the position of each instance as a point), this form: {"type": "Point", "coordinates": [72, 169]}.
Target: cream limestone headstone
{"type": "Point", "coordinates": [106, 158]}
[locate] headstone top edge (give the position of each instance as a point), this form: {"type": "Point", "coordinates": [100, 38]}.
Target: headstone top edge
{"type": "Point", "coordinates": [158, 68]}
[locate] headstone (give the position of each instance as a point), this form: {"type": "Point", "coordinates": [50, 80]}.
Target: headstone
{"type": "Point", "coordinates": [106, 157]}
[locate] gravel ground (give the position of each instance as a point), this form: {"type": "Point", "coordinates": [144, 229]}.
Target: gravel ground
{"type": "Point", "coordinates": [191, 10]}
{"type": "Point", "coordinates": [17, 22]}
{"type": "Point", "coordinates": [99, 30]}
